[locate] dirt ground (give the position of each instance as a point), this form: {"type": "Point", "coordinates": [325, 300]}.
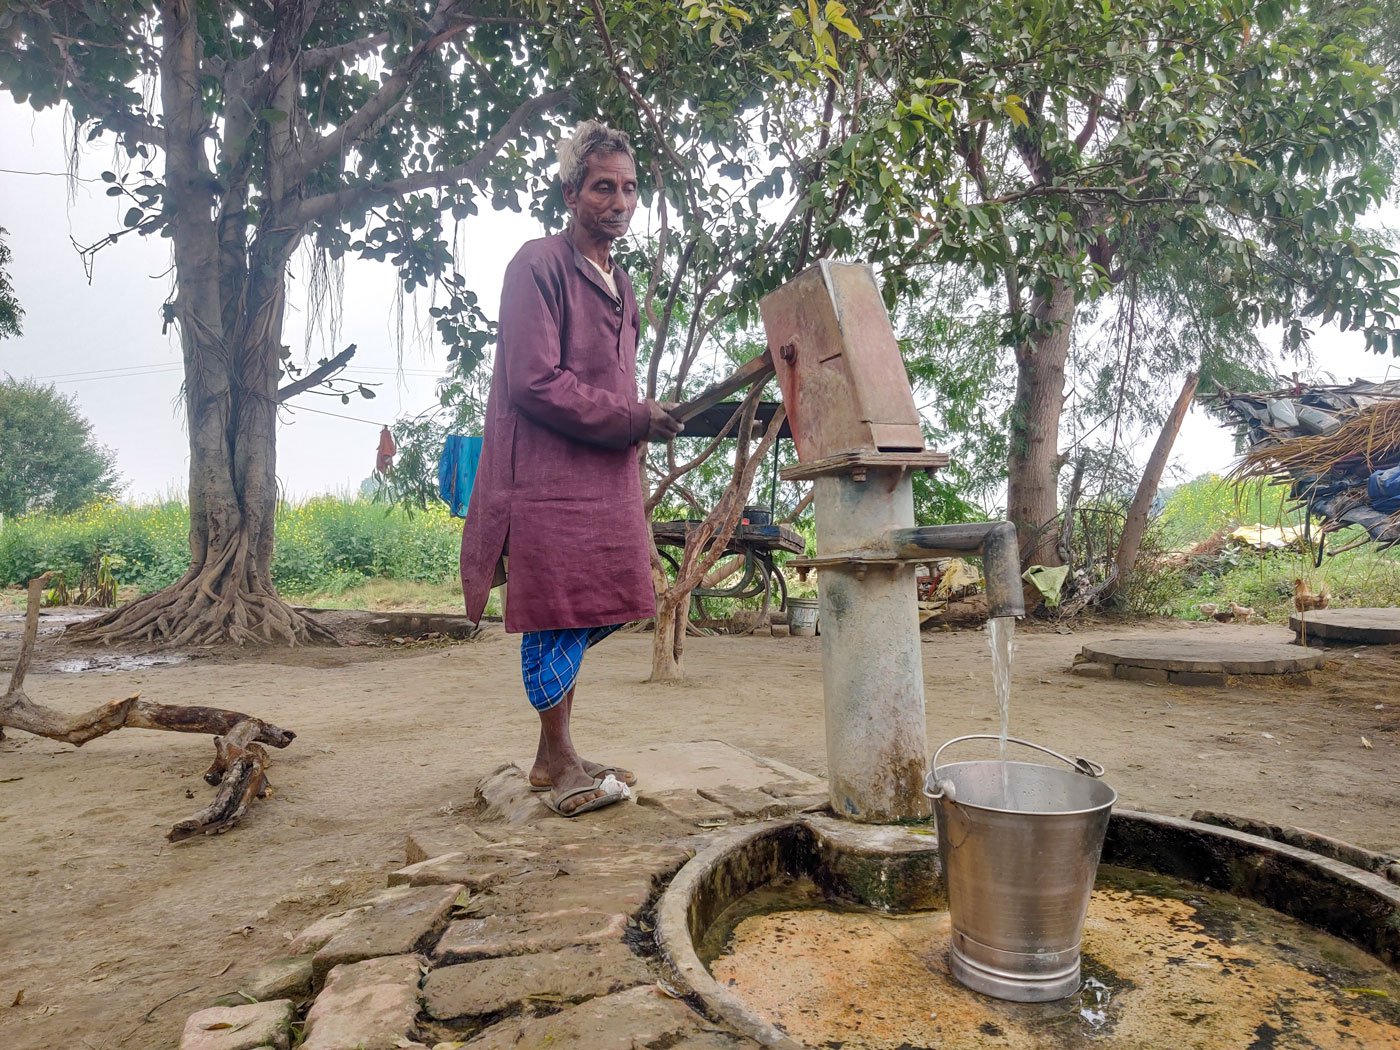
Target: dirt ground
{"type": "Point", "coordinates": [113, 936]}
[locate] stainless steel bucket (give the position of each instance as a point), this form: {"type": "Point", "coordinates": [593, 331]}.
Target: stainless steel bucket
{"type": "Point", "coordinates": [1019, 868]}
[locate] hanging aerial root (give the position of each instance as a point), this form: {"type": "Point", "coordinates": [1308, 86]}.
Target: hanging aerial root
{"type": "Point", "coordinates": [240, 762]}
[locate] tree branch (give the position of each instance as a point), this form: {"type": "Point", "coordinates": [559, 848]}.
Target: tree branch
{"type": "Point", "coordinates": [320, 57]}
{"type": "Point", "coordinates": [1091, 123]}
{"type": "Point", "coordinates": [385, 101]}
{"type": "Point", "coordinates": [317, 375]}
{"type": "Point", "coordinates": [331, 203]}
{"type": "Point", "coordinates": [663, 142]}
{"type": "Point", "coordinates": [124, 122]}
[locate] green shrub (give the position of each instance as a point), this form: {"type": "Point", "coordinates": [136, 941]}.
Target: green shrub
{"type": "Point", "coordinates": [326, 545]}
{"type": "Point", "coordinates": [1199, 509]}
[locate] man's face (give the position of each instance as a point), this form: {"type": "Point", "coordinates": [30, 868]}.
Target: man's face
{"type": "Point", "coordinates": [603, 206]}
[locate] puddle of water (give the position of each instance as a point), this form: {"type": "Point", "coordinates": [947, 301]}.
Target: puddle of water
{"type": "Point", "coordinates": [1166, 964]}
{"type": "Point", "coordinates": [112, 663]}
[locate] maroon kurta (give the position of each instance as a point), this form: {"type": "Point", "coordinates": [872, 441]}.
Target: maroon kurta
{"type": "Point", "coordinates": [558, 484]}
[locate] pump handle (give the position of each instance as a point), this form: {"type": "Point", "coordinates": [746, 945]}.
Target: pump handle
{"type": "Point", "coordinates": [756, 371]}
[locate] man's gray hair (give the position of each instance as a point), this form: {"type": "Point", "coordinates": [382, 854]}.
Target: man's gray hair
{"type": "Point", "coordinates": [590, 137]}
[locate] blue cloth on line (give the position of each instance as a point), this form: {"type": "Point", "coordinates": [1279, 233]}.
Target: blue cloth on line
{"type": "Point", "coordinates": [550, 661]}
{"type": "Point", "coordinates": [457, 472]}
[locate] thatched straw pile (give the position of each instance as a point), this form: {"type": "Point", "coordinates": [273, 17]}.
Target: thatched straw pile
{"type": "Point", "coordinates": [1367, 441]}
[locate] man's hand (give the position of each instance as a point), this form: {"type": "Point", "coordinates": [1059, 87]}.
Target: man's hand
{"type": "Point", "coordinates": [663, 426]}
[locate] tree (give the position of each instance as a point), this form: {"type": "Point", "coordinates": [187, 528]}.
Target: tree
{"type": "Point", "coordinates": [10, 312]}
{"type": "Point", "coordinates": [1059, 150]}
{"type": "Point", "coordinates": [249, 131]}
{"type": "Point", "coordinates": [48, 458]}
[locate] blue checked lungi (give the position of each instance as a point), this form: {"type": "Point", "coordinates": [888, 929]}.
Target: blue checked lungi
{"type": "Point", "coordinates": [550, 661]}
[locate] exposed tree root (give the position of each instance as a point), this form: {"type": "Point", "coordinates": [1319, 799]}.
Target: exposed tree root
{"type": "Point", "coordinates": [240, 762]}
{"type": "Point", "coordinates": [207, 607]}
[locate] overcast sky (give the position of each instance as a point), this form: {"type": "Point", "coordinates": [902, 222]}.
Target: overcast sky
{"type": "Point", "coordinates": [102, 343]}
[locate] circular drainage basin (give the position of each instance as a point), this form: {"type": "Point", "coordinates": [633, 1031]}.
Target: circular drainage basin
{"type": "Point", "coordinates": [821, 933]}
{"type": "Point", "coordinates": [1165, 965]}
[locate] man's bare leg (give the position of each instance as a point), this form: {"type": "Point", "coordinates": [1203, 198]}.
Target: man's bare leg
{"type": "Point", "coordinates": [539, 772]}
{"type": "Point", "coordinates": [563, 766]}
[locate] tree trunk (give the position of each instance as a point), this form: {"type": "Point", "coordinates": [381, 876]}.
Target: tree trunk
{"type": "Point", "coordinates": [705, 546]}
{"type": "Point", "coordinates": [668, 639]}
{"type": "Point", "coordinates": [1136, 523]}
{"type": "Point", "coordinates": [227, 595]}
{"type": "Point", "coordinates": [1032, 499]}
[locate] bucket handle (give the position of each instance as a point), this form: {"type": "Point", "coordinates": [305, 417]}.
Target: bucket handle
{"type": "Point", "coordinates": [935, 788]}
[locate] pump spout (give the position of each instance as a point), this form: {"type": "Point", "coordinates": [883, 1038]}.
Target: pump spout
{"type": "Point", "coordinates": [995, 541]}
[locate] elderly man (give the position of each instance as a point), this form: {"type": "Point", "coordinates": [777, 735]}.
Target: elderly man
{"type": "Point", "coordinates": [558, 487]}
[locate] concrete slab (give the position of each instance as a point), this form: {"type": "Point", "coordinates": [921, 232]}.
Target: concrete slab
{"type": "Point", "coordinates": [1181, 652]}
{"type": "Point", "coordinates": [702, 765]}
{"type": "Point", "coordinates": [1378, 626]}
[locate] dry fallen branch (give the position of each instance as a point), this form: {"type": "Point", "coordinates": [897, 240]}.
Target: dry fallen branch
{"type": "Point", "coordinates": [239, 770]}
{"type": "Point", "coordinates": [240, 761]}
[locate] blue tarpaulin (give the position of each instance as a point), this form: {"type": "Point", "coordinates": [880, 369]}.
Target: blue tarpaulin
{"type": "Point", "coordinates": [457, 472]}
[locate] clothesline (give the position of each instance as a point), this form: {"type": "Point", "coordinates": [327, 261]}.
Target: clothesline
{"type": "Point", "coordinates": [334, 415]}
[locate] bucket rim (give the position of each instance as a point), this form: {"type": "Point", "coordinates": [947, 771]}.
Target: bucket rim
{"type": "Point", "coordinates": [929, 785]}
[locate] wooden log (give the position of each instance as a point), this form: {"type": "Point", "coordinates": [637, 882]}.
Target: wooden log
{"type": "Point", "coordinates": [17, 711]}
{"type": "Point", "coordinates": [240, 762]}
{"type": "Point", "coordinates": [242, 778]}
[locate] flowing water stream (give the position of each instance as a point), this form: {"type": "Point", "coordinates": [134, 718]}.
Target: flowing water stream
{"type": "Point", "coordinates": [1001, 633]}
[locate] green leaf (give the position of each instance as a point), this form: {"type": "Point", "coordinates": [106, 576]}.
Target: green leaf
{"type": "Point", "coordinates": [837, 17]}
{"type": "Point", "coordinates": [132, 217]}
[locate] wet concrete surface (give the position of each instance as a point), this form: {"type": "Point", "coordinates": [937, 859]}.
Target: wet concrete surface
{"type": "Point", "coordinates": [1165, 965]}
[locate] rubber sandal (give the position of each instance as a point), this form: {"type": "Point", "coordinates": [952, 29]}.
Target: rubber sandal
{"type": "Point", "coordinates": [612, 771]}
{"type": "Point", "coordinates": [613, 791]}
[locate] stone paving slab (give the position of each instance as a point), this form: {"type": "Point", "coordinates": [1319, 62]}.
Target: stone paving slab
{"type": "Point", "coordinates": [288, 977]}
{"type": "Point", "coordinates": [504, 794]}
{"type": "Point", "coordinates": [370, 1005]}
{"type": "Point", "coordinates": [521, 911]}
{"type": "Point", "coordinates": [697, 765]}
{"type": "Point", "coordinates": [632, 1020]}
{"type": "Point", "coordinates": [498, 935]}
{"type": "Point", "coordinates": [748, 803]}
{"type": "Point", "coordinates": [402, 921]}
{"type": "Point", "coordinates": [490, 986]}
{"type": "Point", "coordinates": [612, 894]}
{"type": "Point", "coordinates": [687, 805]}
{"type": "Point", "coordinates": [476, 870]}
{"type": "Point", "coordinates": [315, 936]}
{"type": "Point", "coordinates": [1183, 652]}
{"type": "Point", "coordinates": [420, 844]}
{"type": "Point", "coordinates": [248, 1027]}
